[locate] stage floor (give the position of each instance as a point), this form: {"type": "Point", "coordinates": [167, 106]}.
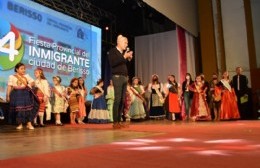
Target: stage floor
{"type": "Point", "coordinates": [185, 144]}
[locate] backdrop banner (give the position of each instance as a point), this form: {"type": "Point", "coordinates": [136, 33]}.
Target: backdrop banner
{"type": "Point", "coordinates": [40, 37]}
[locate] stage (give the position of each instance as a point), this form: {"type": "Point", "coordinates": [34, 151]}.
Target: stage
{"type": "Point", "coordinates": [143, 144]}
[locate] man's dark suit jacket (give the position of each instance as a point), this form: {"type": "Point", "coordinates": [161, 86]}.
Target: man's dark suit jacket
{"type": "Point", "coordinates": [242, 83]}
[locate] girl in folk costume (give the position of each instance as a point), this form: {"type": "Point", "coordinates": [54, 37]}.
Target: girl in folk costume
{"type": "Point", "coordinates": [42, 90]}
{"type": "Point", "coordinates": [82, 99]}
{"type": "Point", "coordinates": [59, 100]}
{"type": "Point", "coordinates": [172, 101]}
{"type": "Point", "coordinates": [23, 104]}
{"type": "Point", "coordinates": [199, 106]}
{"type": "Point", "coordinates": [98, 112]}
{"type": "Point", "coordinates": [228, 108]}
{"type": "Point", "coordinates": [74, 95]}
{"type": "Point", "coordinates": [137, 110]}
{"type": "Point", "coordinates": [156, 99]}
{"type": "Point", "coordinates": [187, 94]}
{"type": "Point", "coordinates": [215, 97]}
{"type": "Point", "coordinates": [110, 97]}
{"type": "Point", "coordinates": [127, 103]}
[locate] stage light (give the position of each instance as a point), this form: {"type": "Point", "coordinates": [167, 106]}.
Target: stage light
{"type": "Point", "coordinates": [106, 28]}
{"type": "Point", "coordinates": [140, 3]}
{"type": "Point", "coordinates": [226, 141]}
{"type": "Point", "coordinates": [212, 152]}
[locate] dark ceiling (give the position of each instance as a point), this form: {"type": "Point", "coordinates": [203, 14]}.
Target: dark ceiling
{"type": "Point", "coordinates": [134, 17]}
{"type": "Point", "coordinates": [128, 17]}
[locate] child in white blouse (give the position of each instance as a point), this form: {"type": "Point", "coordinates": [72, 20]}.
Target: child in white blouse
{"type": "Point", "coordinates": [42, 90]}
{"type": "Point", "coordinates": [22, 103]}
{"type": "Point", "coordinates": [59, 100]}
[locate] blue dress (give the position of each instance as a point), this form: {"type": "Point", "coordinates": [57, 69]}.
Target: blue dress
{"type": "Point", "coordinates": [23, 106]}
{"type": "Point", "coordinates": [99, 112]}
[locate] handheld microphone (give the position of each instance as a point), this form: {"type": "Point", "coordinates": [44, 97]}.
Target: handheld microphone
{"type": "Point", "coordinates": [128, 50]}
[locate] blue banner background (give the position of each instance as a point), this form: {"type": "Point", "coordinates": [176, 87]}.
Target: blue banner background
{"type": "Point", "coordinates": [35, 21]}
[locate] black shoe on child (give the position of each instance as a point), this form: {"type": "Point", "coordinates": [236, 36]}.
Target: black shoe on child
{"type": "Point", "coordinates": [59, 124]}
{"type": "Point", "coordinates": [36, 125]}
{"type": "Point", "coordinates": [42, 125]}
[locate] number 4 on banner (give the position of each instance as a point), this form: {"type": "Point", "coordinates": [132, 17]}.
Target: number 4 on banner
{"type": "Point", "coordinates": [11, 50]}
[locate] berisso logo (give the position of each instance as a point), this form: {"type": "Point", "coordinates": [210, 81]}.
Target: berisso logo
{"type": "Point", "coordinates": [11, 45]}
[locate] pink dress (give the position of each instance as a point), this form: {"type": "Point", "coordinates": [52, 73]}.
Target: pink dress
{"type": "Point", "coordinates": [82, 107]}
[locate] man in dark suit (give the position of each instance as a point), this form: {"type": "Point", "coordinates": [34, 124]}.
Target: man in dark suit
{"type": "Point", "coordinates": [118, 56]}
{"type": "Point", "coordinates": [239, 83]}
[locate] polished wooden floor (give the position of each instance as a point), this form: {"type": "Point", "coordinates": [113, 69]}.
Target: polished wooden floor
{"type": "Point", "coordinates": [183, 140]}
{"type": "Point", "coordinates": [17, 143]}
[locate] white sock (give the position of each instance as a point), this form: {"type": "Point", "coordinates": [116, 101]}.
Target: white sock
{"type": "Point", "coordinates": [41, 117]}
{"type": "Point", "coordinates": [35, 120]}
{"type": "Point", "coordinates": [173, 116]}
